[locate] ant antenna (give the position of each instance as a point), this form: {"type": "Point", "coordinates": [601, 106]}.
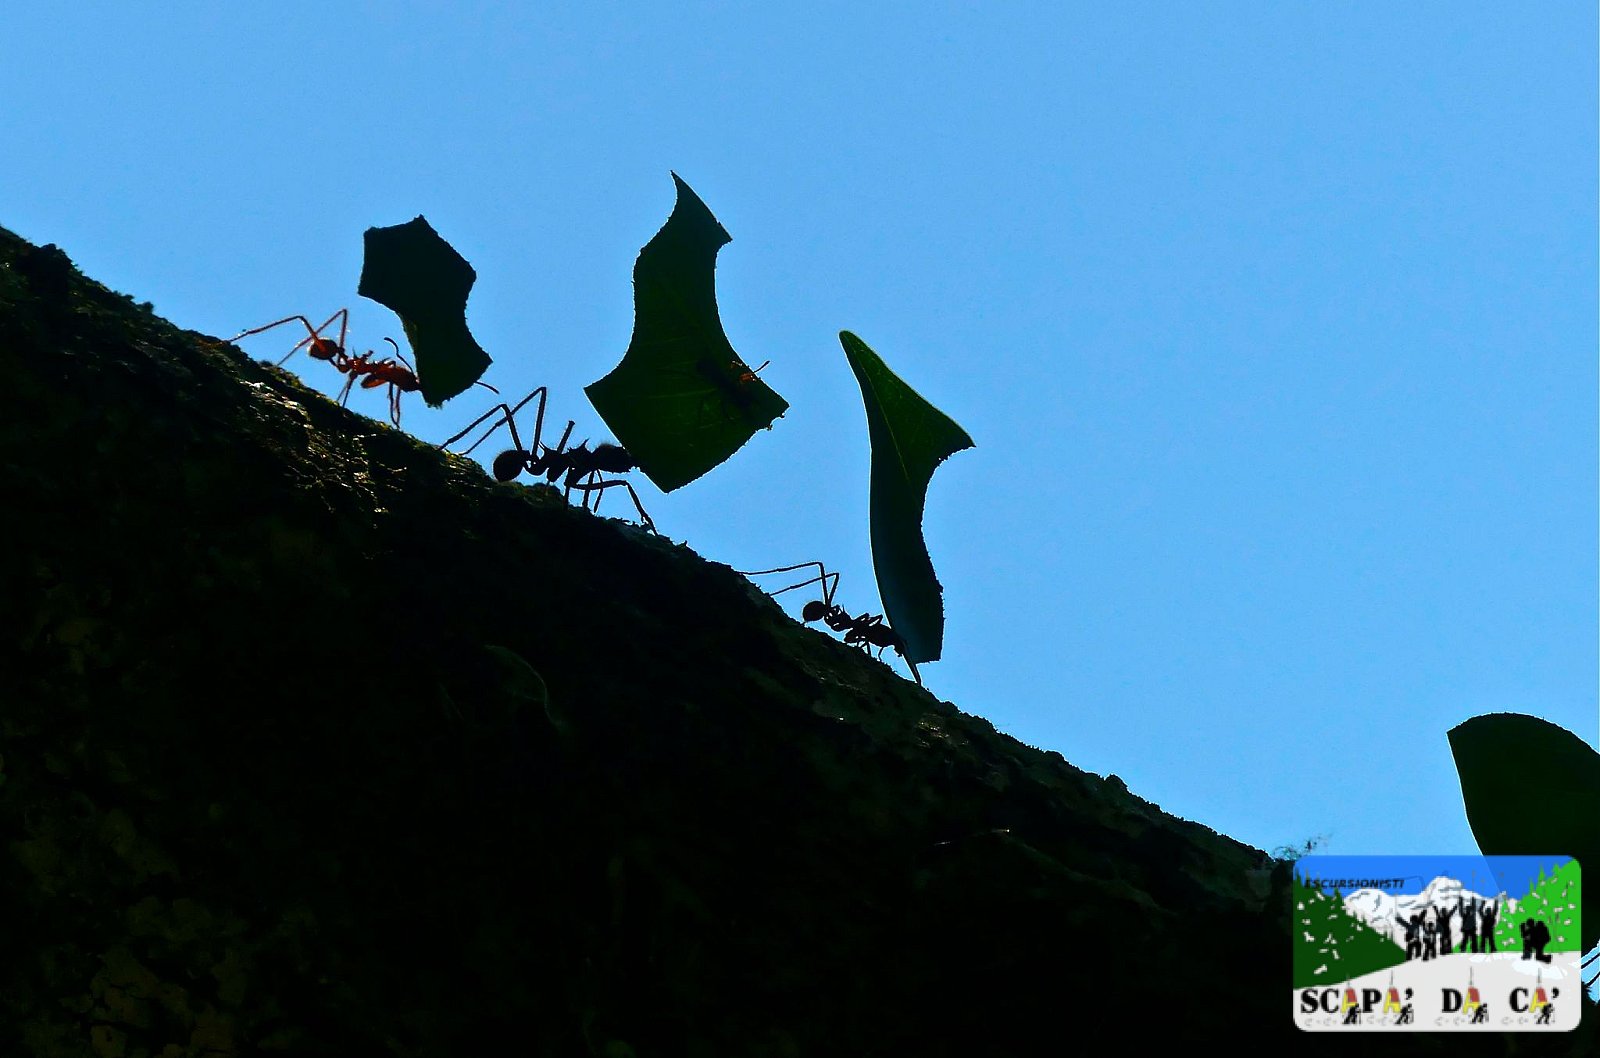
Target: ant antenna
{"type": "Point", "coordinates": [823, 577]}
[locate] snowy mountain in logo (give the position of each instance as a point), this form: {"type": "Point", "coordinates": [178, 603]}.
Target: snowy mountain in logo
{"type": "Point", "coordinates": [1387, 913]}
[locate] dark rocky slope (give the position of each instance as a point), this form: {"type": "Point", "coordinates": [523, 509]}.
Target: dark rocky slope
{"type": "Point", "coordinates": [318, 742]}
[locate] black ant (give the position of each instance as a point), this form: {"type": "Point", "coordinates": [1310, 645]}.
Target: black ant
{"type": "Point", "coordinates": [581, 465]}
{"type": "Point", "coordinates": [864, 631]}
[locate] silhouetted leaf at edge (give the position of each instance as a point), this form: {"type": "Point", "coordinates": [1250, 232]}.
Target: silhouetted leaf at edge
{"type": "Point", "coordinates": [681, 401]}
{"type": "Point", "coordinates": [1532, 788]}
{"type": "Point", "coordinates": [910, 438]}
{"type": "Point", "coordinates": [410, 269]}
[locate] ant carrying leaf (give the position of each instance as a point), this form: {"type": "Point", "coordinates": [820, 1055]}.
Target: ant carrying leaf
{"type": "Point", "coordinates": [681, 399]}
{"type": "Point", "coordinates": [395, 372]}
{"type": "Point", "coordinates": [863, 631]}
{"type": "Point", "coordinates": [581, 465]}
{"type": "Point", "coordinates": [909, 439]}
{"type": "Point", "coordinates": [410, 269]}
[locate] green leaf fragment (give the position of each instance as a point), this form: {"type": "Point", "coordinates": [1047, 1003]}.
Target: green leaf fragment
{"type": "Point", "coordinates": [1532, 788]}
{"type": "Point", "coordinates": [520, 681]}
{"type": "Point", "coordinates": [410, 269]}
{"type": "Point", "coordinates": [682, 401]}
{"type": "Point", "coordinates": [909, 438]}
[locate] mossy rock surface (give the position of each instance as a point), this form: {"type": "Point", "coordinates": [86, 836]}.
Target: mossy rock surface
{"type": "Point", "coordinates": [316, 741]}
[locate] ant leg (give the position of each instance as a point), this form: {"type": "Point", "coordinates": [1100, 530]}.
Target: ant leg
{"type": "Point", "coordinates": [572, 482]}
{"type": "Point", "coordinates": [313, 333]}
{"type": "Point", "coordinates": [473, 425]}
{"type": "Point", "coordinates": [644, 519]}
{"type": "Point", "coordinates": [344, 394]}
{"type": "Point", "coordinates": [509, 418]}
{"type": "Point", "coordinates": [823, 575]}
{"type": "Point", "coordinates": [394, 390]}
{"type": "Point", "coordinates": [574, 476]}
{"type": "Point", "coordinates": [561, 446]}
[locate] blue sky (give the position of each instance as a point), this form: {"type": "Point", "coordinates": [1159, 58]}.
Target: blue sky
{"type": "Point", "coordinates": [1274, 324]}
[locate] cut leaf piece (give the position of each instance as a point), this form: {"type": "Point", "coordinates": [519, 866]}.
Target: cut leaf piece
{"type": "Point", "coordinates": [1532, 788]}
{"type": "Point", "coordinates": [682, 401]}
{"type": "Point", "coordinates": [910, 438]}
{"type": "Point", "coordinates": [410, 269]}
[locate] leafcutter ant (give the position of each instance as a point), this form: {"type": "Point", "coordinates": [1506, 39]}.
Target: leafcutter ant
{"type": "Point", "coordinates": [395, 372]}
{"type": "Point", "coordinates": [581, 465]}
{"type": "Point", "coordinates": [863, 631]}
{"type": "Point", "coordinates": [730, 380]}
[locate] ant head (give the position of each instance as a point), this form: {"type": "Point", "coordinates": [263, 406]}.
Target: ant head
{"type": "Point", "coordinates": [613, 458]}
{"type": "Point", "coordinates": [507, 465]}
{"type": "Point", "coordinates": [814, 611]}
{"type": "Point", "coordinates": [403, 377]}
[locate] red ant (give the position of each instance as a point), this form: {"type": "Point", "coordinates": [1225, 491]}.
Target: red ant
{"type": "Point", "coordinates": [395, 372]}
{"type": "Point", "coordinates": [730, 381]}
{"type": "Point", "coordinates": [864, 631]}
{"type": "Point", "coordinates": [581, 465]}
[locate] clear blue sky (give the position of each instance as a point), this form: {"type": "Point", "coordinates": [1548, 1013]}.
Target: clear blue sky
{"type": "Point", "coordinates": [1274, 324]}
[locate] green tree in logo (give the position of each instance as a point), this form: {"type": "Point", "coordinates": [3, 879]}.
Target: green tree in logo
{"type": "Point", "coordinates": [1330, 944]}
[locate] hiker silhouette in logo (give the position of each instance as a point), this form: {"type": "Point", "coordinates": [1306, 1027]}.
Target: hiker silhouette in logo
{"type": "Point", "coordinates": [1486, 920]}
{"type": "Point", "coordinates": [1539, 936]}
{"type": "Point", "coordinates": [1444, 914]}
{"type": "Point", "coordinates": [1546, 1008]}
{"type": "Point", "coordinates": [1413, 927]}
{"type": "Point", "coordinates": [1481, 1015]}
{"type": "Point", "coordinates": [1351, 1008]}
{"type": "Point", "coordinates": [1430, 940]}
{"type": "Point", "coordinates": [1405, 1011]}
{"type": "Point", "coordinates": [1469, 924]}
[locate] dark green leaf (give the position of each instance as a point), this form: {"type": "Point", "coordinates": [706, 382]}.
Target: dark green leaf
{"type": "Point", "coordinates": [682, 401]}
{"type": "Point", "coordinates": [413, 271]}
{"type": "Point", "coordinates": [1532, 788]}
{"type": "Point", "coordinates": [910, 438]}
{"type": "Point", "coordinates": [520, 681]}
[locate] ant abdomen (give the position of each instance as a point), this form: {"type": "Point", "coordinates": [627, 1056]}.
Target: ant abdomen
{"type": "Point", "coordinates": [814, 611]}
{"type": "Point", "coordinates": [323, 349]}
{"type": "Point", "coordinates": [507, 465]}
{"type": "Point", "coordinates": [613, 459]}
